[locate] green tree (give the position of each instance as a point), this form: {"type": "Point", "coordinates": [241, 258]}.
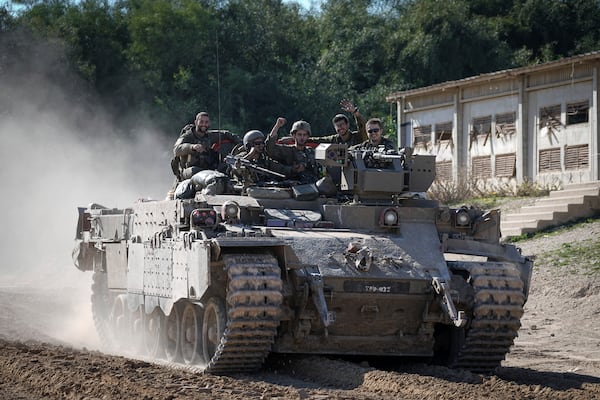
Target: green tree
{"type": "Point", "coordinates": [443, 40]}
{"type": "Point", "coordinates": [6, 20]}
{"type": "Point", "coordinates": [97, 35]}
{"type": "Point", "coordinates": [352, 58]}
{"type": "Point", "coordinates": [550, 29]}
{"type": "Point", "coordinates": [265, 54]}
{"type": "Point", "coordinates": [247, 62]}
{"type": "Point", "coordinates": [94, 36]}
{"type": "Point", "coordinates": [172, 48]}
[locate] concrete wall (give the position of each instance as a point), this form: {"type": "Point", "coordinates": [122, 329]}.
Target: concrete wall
{"type": "Point", "coordinates": [551, 151]}
{"type": "Point", "coordinates": [562, 136]}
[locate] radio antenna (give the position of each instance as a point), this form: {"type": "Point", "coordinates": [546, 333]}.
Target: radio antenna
{"type": "Point", "coordinates": [218, 96]}
{"type": "Point", "coordinates": [218, 80]}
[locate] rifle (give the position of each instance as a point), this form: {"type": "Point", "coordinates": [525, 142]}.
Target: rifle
{"type": "Point", "coordinates": [238, 161]}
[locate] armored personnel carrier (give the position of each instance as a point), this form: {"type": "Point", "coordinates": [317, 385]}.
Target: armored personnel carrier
{"type": "Point", "coordinates": [375, 269]}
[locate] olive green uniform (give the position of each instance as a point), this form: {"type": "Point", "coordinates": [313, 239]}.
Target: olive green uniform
{"type": "Point", "coordinates": [367, 145]}
{"type": "Point", "coordinates": [355, 137]}
{"type": "Point", "coordinates": [291, 155]}
{"type": "Point", "coordinates": [189, 161]}
{"type": "Point", "coordinates": [251, 176]}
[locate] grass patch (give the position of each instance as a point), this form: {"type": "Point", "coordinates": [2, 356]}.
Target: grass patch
{"type": "Point", "coordinates": [487, 202]}
{"type": "Point", "coordinates": [578, 257]}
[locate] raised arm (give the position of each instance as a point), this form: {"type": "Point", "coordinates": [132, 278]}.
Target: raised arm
{"type": "Point", "coordinates": [271, 143]}
{"type": "Point", "coordinates": [361, 122]}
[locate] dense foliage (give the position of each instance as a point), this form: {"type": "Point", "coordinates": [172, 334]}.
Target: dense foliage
{"type": "Point", "coordinates": [247, 62]}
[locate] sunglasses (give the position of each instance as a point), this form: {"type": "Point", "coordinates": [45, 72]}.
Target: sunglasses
{"type": "Point", "coordinates": [258, 143]}
{"type": "Point", "coordinates": [374, 130]}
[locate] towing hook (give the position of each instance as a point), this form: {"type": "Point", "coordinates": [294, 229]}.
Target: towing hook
{"type": "Point", "coordinates": [441, 288]}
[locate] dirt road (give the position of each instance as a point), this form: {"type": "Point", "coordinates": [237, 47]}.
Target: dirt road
{"type": "Point", "coordinates": [47, 342]}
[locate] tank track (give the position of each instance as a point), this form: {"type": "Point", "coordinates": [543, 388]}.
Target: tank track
{"type": "Point", "coordinates": [254, 301]}
{"type": "Point", "coordinates": [497, 311]}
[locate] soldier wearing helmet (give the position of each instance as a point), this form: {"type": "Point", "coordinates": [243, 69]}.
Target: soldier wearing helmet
{"type": "Point", "coordinates": [298, 156]}
{"type": "Point", "coordinates": [251, 136]}
{"type": "Point", "coordinates": [254, 151]}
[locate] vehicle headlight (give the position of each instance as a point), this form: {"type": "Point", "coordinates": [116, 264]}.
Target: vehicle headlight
{"type": "Point", "coordinates": [230, 210]}
{"type": "Point", "coordinates": [389, 217]}
{"type": "Point", "coordinates": [462, 217]}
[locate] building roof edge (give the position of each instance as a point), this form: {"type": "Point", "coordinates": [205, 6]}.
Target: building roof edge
{"type": "Point", "coordinates": [581, 58]}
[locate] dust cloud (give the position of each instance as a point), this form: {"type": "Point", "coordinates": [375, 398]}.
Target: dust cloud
{"type": "Point", "coordinates": [58, 151]}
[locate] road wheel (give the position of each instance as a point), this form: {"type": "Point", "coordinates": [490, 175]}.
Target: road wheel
{"type": "Point", "coordinates": [191, 330]}
{"type": "Point", "coordinates": [172, 337]}
{"type": "Point", "coordinates": [120, 319]}
{"type": "Point", "coordinates": [153, 333]}
{"type": "Point", "coordinates": [213, 327]}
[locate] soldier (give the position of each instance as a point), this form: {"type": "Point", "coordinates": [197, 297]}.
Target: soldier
{"type": "Point", "coordinates": [300, 157]}
{"type": "Point", "coordinates": [194, 150]}
{"type": "Point", "coordinates": [254, 152]}
{"type": "Point", "coordinates": [341, 124]}
{"type": "Point", "coordinates": [344, 135]}
{"type": "Point", "coordinates": [376, 140]}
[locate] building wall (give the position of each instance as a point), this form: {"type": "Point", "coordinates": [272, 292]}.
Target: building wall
{"type": "Point", "coordinates": [562, 148]}
{"type": "Point", "coordinates": [492, 144]}
{"type": "Point", "coordinates": [539, 125]}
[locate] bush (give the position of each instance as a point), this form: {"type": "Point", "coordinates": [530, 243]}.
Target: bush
{"type": "Point", "coordinates": [448, 192]}
{"type": "Point", "coordinates": [484, 192]}
{"type": "Point", "coordinates": [532, 189]}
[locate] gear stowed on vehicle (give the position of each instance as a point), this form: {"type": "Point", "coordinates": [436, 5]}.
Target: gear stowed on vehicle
{"type": "Point", "coordinates": [223, 280]}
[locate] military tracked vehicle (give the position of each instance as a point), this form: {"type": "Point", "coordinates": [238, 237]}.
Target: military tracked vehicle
{"type": "Point", "coordinates": [223, 280]}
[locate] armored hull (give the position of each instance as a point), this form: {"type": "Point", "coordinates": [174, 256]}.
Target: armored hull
{"type": "Point", "coordinates": [223, 280]}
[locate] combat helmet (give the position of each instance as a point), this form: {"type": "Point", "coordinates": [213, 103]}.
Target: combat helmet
{"type": "Point", "coordinates": [251, 136]}
{"type": "Point", "coordinates": [305, 126]}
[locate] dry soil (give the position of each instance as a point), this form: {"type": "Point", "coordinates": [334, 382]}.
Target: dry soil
{"type": "Point", "coordinates": [48, 349]}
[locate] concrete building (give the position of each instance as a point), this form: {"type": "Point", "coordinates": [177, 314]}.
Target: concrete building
{"type": "Point", "coordinates": [538, 123]}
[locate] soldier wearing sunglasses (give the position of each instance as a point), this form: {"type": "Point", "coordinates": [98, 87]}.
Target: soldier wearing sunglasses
{"type": "Point", "coordinates": [253, 150]}
{"type": "Point", "coordinates": [376, 139]}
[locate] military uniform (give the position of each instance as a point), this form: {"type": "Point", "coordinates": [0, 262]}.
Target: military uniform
{"type": "Point", "coordinates": [251, 176]}
{"type": "Point", "coordinates": [291, 155]}
{"type": "Point", "coordinates": [370, 161]}
{"type": "Point", "coordinates": [367, 145]}
{"type": "Point", "coordinates": [190, 162]}
{"type": "Point", "coordinates": [355, 137]}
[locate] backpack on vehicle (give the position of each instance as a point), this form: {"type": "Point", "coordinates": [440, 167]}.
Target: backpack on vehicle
{"type": "Point", "coordinates": [175, 167]}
